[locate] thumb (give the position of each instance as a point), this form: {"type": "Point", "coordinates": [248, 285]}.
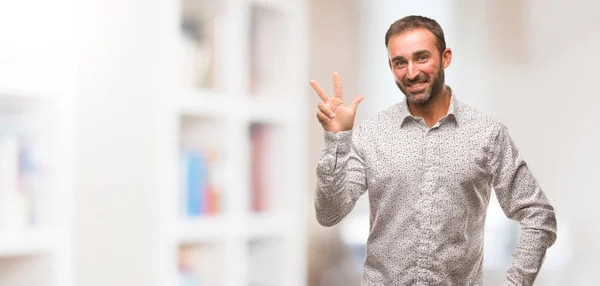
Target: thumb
{"type": "Point", "coordinates": [356, 101]}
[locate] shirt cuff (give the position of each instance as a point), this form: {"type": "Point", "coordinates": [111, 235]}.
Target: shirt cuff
{"type": "Point", "coordinates": [340, 142]}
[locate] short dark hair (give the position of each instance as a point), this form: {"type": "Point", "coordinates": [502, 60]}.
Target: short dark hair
{"type": "Point", "coordinates": [413, 22]}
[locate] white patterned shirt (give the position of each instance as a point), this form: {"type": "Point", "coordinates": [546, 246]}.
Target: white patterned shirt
{"type": "Point", "coordinates": [428, 190]}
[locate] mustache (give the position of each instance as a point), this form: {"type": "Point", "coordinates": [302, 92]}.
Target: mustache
{"type": "Point", "coordinates": [420, 78]}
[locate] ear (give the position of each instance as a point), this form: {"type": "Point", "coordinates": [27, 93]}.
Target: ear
{"type": "Point", "coordinates": [446, 57]}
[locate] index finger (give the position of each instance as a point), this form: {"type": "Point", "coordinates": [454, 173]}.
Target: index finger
{"type": "Point", "coordinates": [337, 86]}
{"type": "Point", "coordinates": [319, 90]}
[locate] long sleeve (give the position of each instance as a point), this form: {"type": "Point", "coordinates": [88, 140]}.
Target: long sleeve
{"type": "Point", "coordinates": [340, 177]}
{"type": "Point", "coordinates": [522, 199]}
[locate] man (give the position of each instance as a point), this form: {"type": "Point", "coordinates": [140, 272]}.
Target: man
{"type": "Point", "coordinates": [429, 163]}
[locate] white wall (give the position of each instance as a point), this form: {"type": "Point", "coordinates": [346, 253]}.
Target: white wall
{"type": "Point", "coordinates": [543, 82]}
{"type": "Point", "coordinates": [116, 141]}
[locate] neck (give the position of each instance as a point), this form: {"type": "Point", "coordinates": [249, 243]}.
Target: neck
{"type": "Point", "coordinates": [434, 109]}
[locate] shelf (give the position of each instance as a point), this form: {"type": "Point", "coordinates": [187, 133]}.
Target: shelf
{"type": "Point", "coordinates": [26, 243]}
{"type": "Point", "coordinates": [279, 5]}
{"type": "Point", "coordinates": [233, 117]}
{"type": "Point", "coordinates": [270, 111]}
{"type": "Point", "coordinates": [268, 226]}
{"type": "Point", "coordinates": [207, 103]}
{"type": "Point", "coordinates": [203, 229]}
{"type": "Point", "coordinates": [212, 229]}
{"type": "Point", "coordinates": [14, 99]}
{"type": "Point", "coordinates": [28, 85]}
{"type": "Point", "coordinates": [266, 262]}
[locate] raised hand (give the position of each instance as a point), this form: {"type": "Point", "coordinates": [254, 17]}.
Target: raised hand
{"type": "Point", "coordinates": [333, 114]}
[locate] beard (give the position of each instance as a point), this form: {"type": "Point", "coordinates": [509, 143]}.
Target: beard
{"type": "Point", "coordinates": [425, 96]}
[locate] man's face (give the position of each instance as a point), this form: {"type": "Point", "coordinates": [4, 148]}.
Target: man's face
{"type": "Point", "coordinates": [417, 65]}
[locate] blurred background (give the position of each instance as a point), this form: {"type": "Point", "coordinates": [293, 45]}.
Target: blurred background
{"type": "Point", "coordinates": [175, 142]}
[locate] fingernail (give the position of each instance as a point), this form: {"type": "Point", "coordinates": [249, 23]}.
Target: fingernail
{"type": "Point", "coordinates": [332, 115]}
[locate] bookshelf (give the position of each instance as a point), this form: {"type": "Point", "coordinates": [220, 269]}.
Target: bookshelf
{"type": "Point", "coordinates": [232, 99]}
{"type": "Point", "coordinates": [35, 173]}
{"type": "Point", "coordinates": [35, 144]}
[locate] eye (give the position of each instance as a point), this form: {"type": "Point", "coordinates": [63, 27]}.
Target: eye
{"type": "Point", "coordinates": [399, 64]}
{"type": "Point", "coordinates": [422, 58]}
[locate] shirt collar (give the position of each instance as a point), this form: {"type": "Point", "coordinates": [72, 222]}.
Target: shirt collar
{"type": "Point", "coordinates": [405, 114]}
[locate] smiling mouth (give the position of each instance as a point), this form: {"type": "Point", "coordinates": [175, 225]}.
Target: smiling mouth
{"type": "Point", "coordinates": [416, 86]}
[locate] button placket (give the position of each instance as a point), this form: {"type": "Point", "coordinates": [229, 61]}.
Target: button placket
{"type": "Point", "coordinates": [425, 201]}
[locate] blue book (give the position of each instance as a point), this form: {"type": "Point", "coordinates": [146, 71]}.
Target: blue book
{"type": "Point", "coordinates": [196, 181]}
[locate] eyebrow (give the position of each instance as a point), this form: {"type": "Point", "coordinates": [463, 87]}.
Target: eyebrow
{"type": "Point", "coordinates": [397, 59]}
{"type": "Point", "coordinates": [421, 52]}
{"type": "Point", "coordinates": [417, 53]}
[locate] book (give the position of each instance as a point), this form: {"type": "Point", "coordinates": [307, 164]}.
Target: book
{"type": "Point", "coordinates": [201, 196]}
{"type": "Point", "coordinates": [267, 168]}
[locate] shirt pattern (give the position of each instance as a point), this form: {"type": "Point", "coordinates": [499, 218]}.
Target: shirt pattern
{"type": "Point", "coordinates": [428, 191]}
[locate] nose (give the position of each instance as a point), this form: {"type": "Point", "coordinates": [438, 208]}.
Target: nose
{"type": "Point", "coordinates": [412, 72]}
